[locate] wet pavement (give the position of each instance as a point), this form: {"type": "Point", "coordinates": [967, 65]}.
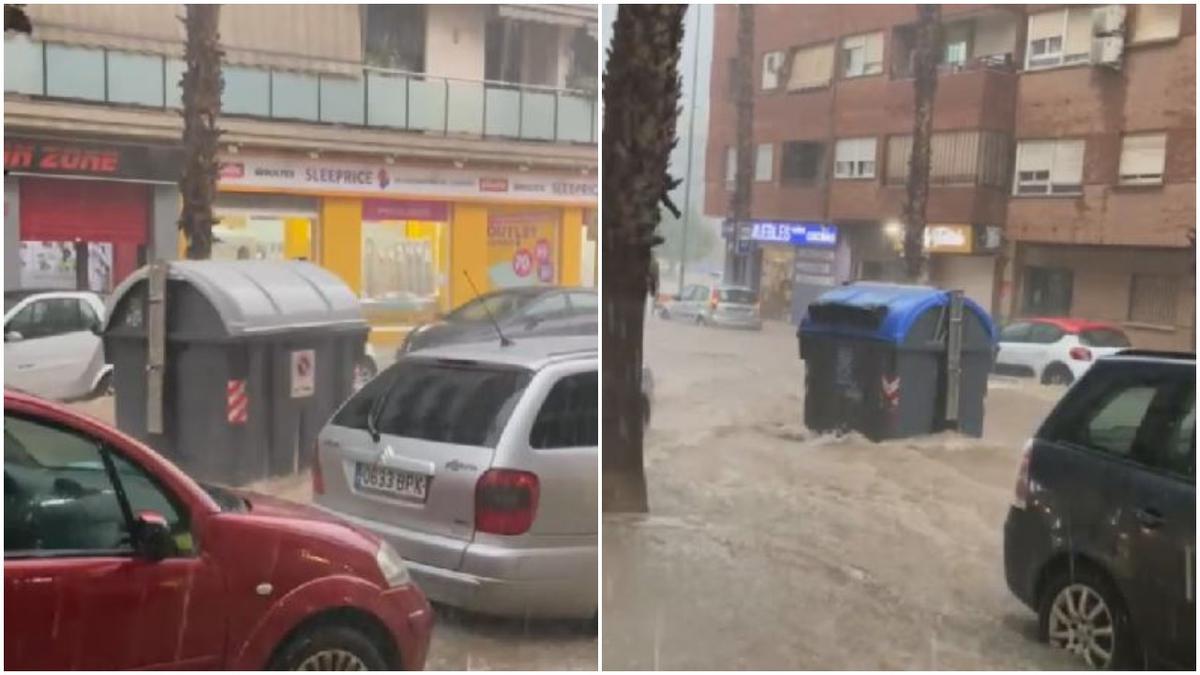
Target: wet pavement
{"type": "Point", "coordinates": [461, 641]}
{"type": "Point", "coordinates": [769, 548]}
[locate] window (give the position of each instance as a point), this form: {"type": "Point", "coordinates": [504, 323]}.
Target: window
{"type": "Point", "coordinates": [584, 303]}
{"type": "Point", "coordinates": [1059, 37]}
{"type": "Point", "coordinates": [1017, 332]}
{"type": "Point", "coordinates": [1156, 22]}
{"type": "Point", "coordinates": [854, 158]}
{"type": "Point", "coordinates": [548, 307]}
{"type": "Point", "coordinates": [144, 493]}
{"type": "Point", "coordinates": [1113, 427]}
{"type": "Point", "coordinates": [802, 163]}
{"type": "Point", "coordinates": [771, 65]}
{"type": "Point", "coordinates": [1142, 159]}
{"type": "Point", "coordinates": [394, 37]}
{"type": "Point", "coordinates": [48, 318]}
{"type": "Point", "coordinates": [730, 164]}
{"type": "Point", "coordinates": [1153, 299]}
{"type": "Point", "coordinates": [1044, 334]}
{"type": "Point", "coordinates": [812, 67]}
{"type": "Point", "coordinates": [764, 163]}
{"type": "Point", "coordinates": [568, 418]}
{"type": "Point", "coordinates": [956, 158]}
{"type": "Point", "coordinates": [1047, 291]}
{"type": "Point", "coordinates": [1103, 337]}
{"type": "Point", "coordinates": [1049, 168]}
{"type": "Point", "coordinates": [862, 55]}
{"type": "Point", "coordinates": [956, 39]}
{"type": "Point", "coordinates": [88, 315]}
{"type": "Point", "coordinates": [439, 402]}
{"type": "Point", "coordinates": [58, 495]}
{"type": "Point", "coordinates": [1179, 452]}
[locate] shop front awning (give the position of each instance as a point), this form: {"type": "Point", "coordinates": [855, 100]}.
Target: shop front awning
{"type": "Point", "coordinates": [579, 16]}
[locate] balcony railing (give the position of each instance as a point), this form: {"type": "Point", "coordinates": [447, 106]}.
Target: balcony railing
{"type": "Point", "coordinates": [376, 98]}
{"type": "Point", "coordinates": [1002, 63]}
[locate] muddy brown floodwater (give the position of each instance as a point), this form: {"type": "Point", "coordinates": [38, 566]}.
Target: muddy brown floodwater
{"type": "Point", "coordinates": [770, 548]}
{"type": "Point", "coordinates": [461, 641]}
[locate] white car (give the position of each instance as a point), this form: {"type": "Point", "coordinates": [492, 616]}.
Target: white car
{"type": "Point", "coordinates": [51, 345]}
{"type": "Point", "coordinates": [477, 462]}
{"type": "Point", "coordinates": [1056, 351]}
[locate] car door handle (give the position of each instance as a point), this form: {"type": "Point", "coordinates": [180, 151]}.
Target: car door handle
{"type": "Point", "coordinates": [1149, 518]}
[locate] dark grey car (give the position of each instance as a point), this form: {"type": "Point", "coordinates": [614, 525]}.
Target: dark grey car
{"type": "Point", "coordinates": [520, 312]}
{"type": "Point", "coordinates": [1101, 536]}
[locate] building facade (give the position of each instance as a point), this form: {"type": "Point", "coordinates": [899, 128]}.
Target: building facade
{"type": "Point", "coordinates": [404, 148]}
{"type": "Point", "coordinates": [1062, 178]}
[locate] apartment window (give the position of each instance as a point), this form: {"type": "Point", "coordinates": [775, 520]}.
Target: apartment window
{"type": "Point", "coordinates": [1142, 159]}
{"type": "Point", "coordinates": [956, 158]}
{"type": "Point", "coordinates": [854, 158]}
{"type": "Point", "coordinates": [812, 67]}
{"type": "Point", "coordinates": [1156, 22]}
{"type": "Point", "coordinates": [801, 163]}
{"type": "Point", "coordinates": [395, 37]}
{"type": "Point", "coordinates": [730, 164]}
{"type": "Point", "coordinates": [1152, 299]}
{"type": "Point", "coordinates": [1047, 291]}
{"type": "Point", "coordinates": [1059, 37]}
{"type": "Point", "coordinates": [1049, 168]}
{"type": "Point", "coordinates": [772, 63]}
{"type": "Point", "coordinates": [862, 55]}
{"type": "Point", "coordinates": [956, 39]}
{"type": "Point", "coordinates": [764, 163]}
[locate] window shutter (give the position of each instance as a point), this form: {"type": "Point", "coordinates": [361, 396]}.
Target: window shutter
{"type": "Point", "coordinates": [1143, 157]}
{"type": "Point", "coordinates": [874, 48]}
{"type": "Point", "coordinates": [730, 164]}
{"type": "Point", "coordinates": [1045, 25]}
{"type": "Point", "coordinates": [1068, 163]}
{"type": "Point", "coordinates": [764, 164]}
{"type": "Point", "coordinates": [1156, 22]}
{"type": "Point", "coordinates": [811, 67]}
{"type": "Point", "coordinates": [1079, 32]}
{"type": "Point", "coordinates": [1035, 155]}
{"type": "Point", "coordinates": [899, 152]}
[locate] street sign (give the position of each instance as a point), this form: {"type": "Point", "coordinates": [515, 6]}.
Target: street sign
{"type": "Point", "coordinates": [304, 364]}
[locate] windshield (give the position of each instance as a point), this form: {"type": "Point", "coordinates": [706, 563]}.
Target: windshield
{"type": "Point", "coordinates": [500, 305]}
{"type": "Point", "coordinates": [741, 296]}
{"type": "Point", "coordinates": [228, 501]}
{"type": "Point", "coordinates": [458, 402]}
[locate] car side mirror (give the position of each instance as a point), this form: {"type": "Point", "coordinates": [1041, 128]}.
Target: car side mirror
{"type": "Point", "coordinates": [13, 336]}
{"type": "Point", "coordinates": [152, 540]}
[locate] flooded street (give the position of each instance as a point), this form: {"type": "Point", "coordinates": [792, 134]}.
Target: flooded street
{"type": "Point", "coordinates": [460, 641]}
{"type": "Point", "coordinates": [767, 548]}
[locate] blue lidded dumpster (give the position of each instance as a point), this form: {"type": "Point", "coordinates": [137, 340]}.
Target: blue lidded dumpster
{"type": "Point", "coordinates": [881, 359]}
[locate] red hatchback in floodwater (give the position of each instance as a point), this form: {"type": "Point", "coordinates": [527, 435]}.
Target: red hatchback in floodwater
{"type": "Point", "coordinates": [115, 559]}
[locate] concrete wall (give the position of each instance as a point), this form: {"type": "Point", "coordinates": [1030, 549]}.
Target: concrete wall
{"type": "Point", "coordinates": [12, 234]}
{"type": "Point", "coordinates": [454, 41]}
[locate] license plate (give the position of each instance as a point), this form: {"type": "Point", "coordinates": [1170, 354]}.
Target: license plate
{"type": "Point", "coordinates": [391, 482]}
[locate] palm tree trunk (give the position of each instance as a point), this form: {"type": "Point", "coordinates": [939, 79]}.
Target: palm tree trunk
{"type": "Point", "coordinates": [740, 200]}
{"type": "Point", "coordinates": [925, 60]}
{"type": "Point", "coordinates": [641, 98]}
{"type": "Point", "coordinates": [202, 85]}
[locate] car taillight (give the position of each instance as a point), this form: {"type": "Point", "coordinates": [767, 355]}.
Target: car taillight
{"type": "Point", "coordinates": [1081, 353]}
{"type": "Point", "coordinates": [506, 501]}
{"type": "Point", "coordinates": [714, 299]}
{"type": "Point", "coordinates": [318, 479]}
{"type": "Point", "coordinates": [1021, 494]}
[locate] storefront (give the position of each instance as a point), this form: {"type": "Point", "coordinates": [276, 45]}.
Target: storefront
{"type": "Point", "coordinates": [963, 257]}
{"type": "Point", "coordinates": [799, 262]}
{"type": "Point", "coordinates": [410, 240]}
{"type": "Point", "coordinates": [84, 214]}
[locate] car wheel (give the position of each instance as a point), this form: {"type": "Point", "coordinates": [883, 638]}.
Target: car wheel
{"type": "Point", "coordinates": [1057, 373]}
{"type": "Point", "coordinates": [1080, 612]}
{"type": "Point", "coordinates": [329, 647]}
{"type": "Point", "coordinates": [364, 370]}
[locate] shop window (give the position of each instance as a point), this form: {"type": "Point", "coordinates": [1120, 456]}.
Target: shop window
{"type": "Point", "coordinates": [403, 265]}
{"type": "Point", "coordinates": [1049, 168]}
{"type": "Point", "coordinates": [854, 158]}
{"type": "Point", "coordinates": [764, 163]}
{"type": "Point", "coordinates": [862, 55]}
{"type": "Point", "coordinates": [240, 236]}
{"type": "Point", "coordinates": [1153, 299]}
{"type": "Point", "coordinates": [1142, 159]}
{"type": "Point", "coordinates": [802, 163]}
{"type": "Point", "coordinates": [812, 67]}
{"type": "Point", "coordinates": [1047, 291]}
{"type": "Point", "coordinates": [1059, 37]}
{"type": "Point", "coordinates": [523, 247]}
{"type": "Point", "coordinates": [1156, 22]}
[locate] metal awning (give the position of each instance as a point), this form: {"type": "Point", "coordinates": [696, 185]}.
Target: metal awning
{"type": "Point", "coordinates": [578, 16]}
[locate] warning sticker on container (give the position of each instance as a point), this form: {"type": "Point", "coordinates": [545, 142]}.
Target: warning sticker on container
{"type": "Point", "coordinates": [304, 364]}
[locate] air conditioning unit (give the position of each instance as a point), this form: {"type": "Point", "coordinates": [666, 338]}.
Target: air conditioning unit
{"type": "Point", "coordinates": [1107, 51]}
{"type": "Point", "coordinates": [1108, 20]}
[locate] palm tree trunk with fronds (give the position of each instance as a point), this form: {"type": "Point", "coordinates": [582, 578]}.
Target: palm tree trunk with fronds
{"type": "Point", "coordinates": [740, 199]}
{"type": "Point", "coordinates": [925, 62]}
{"type": "Point", "coordinates": [202, 85]}
{"type": "Point", "coordinates": [641, 99]}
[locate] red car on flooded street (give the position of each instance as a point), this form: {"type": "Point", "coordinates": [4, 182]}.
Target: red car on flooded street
{"type": "Point", "coordinates": [115, 559]}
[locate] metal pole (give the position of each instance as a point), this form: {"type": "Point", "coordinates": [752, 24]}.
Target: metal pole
{"type": "Point", "coordinates": [687, 181]}
{"type": "Point", "coordinates": [954, 358]}
{"type": "Point", "coordinates": [156, 333]}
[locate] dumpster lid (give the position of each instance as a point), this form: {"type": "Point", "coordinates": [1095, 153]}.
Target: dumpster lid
{"type": "Point", "coordinates": [900, 305]}
{"type": "Point", "coordinates": [262, 296]}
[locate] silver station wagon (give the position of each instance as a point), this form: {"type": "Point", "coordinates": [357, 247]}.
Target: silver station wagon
{"type": "Point", "coordinates": [477, 462]}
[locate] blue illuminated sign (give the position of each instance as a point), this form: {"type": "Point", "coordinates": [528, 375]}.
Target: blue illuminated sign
{"type": "Point", "coordinates": [813, 235]}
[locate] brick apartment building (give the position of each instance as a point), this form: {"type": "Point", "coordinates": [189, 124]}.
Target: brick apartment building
{"type": "Point", "coordinates": [1063, 171]}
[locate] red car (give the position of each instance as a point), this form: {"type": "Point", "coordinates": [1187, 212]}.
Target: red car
{"type": "Point", "coordinates": [115, 559]}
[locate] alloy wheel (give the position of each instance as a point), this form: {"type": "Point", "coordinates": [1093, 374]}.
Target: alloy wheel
{"type": "Point", "coordinates": [1082, 623]}
{"type": "Point", "coordinates": [332, 659]}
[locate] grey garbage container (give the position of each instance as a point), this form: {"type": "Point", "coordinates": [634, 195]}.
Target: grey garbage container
{"type": "Point", "coordinates": [259, 354]}
{"type": "Point", "coordinates": [875, 361]}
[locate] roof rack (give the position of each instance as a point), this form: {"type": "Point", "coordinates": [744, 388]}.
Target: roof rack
{"type": "Point", "coordinates": [1152, 353]}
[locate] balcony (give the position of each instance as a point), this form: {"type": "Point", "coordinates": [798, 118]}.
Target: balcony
{"type": "Point", "coordinates": [368, 97]}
